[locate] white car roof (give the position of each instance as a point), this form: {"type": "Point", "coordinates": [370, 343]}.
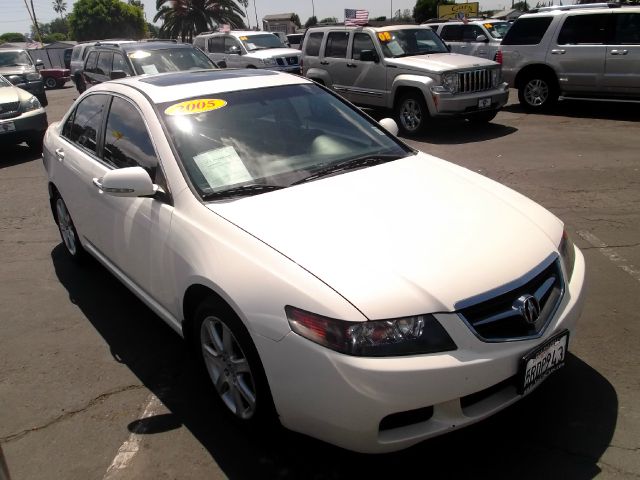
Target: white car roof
{"type": "Point", "coordinates": [167, 87]}
{"type": "Point", "coordinates": [580, 11]}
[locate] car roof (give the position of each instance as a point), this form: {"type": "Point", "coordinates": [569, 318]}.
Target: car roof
{"type": "Point", "coordinates": [166, 87]}
{"type": "Point", "coordinates": [133, 46]}
{"type": "Point", "coordinates": [581, 11]}
{"type": "Point", "coordinates": [385, 28]}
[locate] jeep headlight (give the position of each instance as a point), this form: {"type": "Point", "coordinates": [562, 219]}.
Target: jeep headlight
{"type": "Point", "coordinates": [33, 76]}
{"type": "Point", "coordinates": [269, 62]}
{"type": "Point", "coordinates": [32, 104]}
{"type": "Point", "coordinates": [496, 76]}
{"type": "Point", "coordinates": [450, 82]}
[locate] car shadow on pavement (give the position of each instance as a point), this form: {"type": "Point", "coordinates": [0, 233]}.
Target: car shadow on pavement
{"type": "Point", "coordinates": [11, 155]}
{"type": "Point", "coordinates": [559, 431]}
{"type": "Point", "coordinates": [455, 132]}
{"type": "Point", "coordinates": [620, 111]}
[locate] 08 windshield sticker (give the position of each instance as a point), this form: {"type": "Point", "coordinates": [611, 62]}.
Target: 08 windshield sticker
{"type": "Point", "coordinates": [199, 105]}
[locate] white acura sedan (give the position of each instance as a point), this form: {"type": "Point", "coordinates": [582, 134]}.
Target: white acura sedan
{"type": "Point", "coordinates": [364, 293]}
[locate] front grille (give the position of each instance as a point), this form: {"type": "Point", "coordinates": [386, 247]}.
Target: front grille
{"type": "Point", "coordinates": [280, 61]}
{"type": "Point", "coordinates": [474, 81]}
{"type": "Point", "coordinates": [292, 60]}
{"type": "Point", "coordinates": [284, 61]}
{"type": "Point", "coordinates": [9, 110]}
{"type": "Point", "coordinates": [500, 319]}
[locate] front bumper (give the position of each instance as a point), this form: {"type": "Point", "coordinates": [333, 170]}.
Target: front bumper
{"type": "Point", "coordinates": [26, 126]}
{"type": "Point", "coordinates": [342, 399]}
{"type": "Point", "coordinates": [444, 104]}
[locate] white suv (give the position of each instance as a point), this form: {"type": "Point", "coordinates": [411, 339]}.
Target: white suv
{"type": "Point", "coordinates": [592, 51]}
{"type": "Point", "coordinates": [249, 49]}
{"type": "Point", "coordinates": [479, 38]}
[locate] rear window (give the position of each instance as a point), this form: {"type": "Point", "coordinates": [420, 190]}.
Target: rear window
{"type": "Point", "coordinates": [312, 47]}
{"type": "Point", "coordinates": [527, 31]}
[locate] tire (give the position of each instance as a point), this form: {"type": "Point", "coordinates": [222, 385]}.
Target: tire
{"type": "Point", "coordinates": [43, 99]}
{"type": "Point", "coordinates": [483, 117]}
{"type": "Point", "coordinates": [35, 142]}
{"type": "Point", "coordinates": [411, 113]}
{"type": "Point", "coordinates": [50, 82]}
{"type": "Point", "coordinates": [80, 85]}
{"type": "Point", "coordinates": [538, 92]}
{"type": "Point", "coordinates": [67, 229]}
{"type": "Point", "coordinates": [233, 365]}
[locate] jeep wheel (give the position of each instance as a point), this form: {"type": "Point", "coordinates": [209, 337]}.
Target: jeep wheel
{"type": "Point", "coordinates": [412, 113]}
{"type": "Point", "coordinates": [538, 92]}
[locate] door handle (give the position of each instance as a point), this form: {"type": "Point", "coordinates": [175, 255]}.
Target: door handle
{"type": "Point", "coordinates": [324, 62]}
{"type": "Point", "coordinates": [352, 65]}
{"type": "Point", "coordinates": [97, 183]}
{"type": "Point", "coordinates": [558, 51]}
{"type": "Point", "coordinates": [60, 154]}
{"type": "Point", "coordinates": [619, 52]}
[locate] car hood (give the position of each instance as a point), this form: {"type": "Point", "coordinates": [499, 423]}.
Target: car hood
{"type": "Point", "coordinates": [411, 236]}
{"type": "Point", "coordinates": [16, 70]}
{"type": "Point", "coordinates": [440, 62]}
{"type": "Point", "coordinates": [275, 52]}
{"type": "Point", "coordinates": [10, 95]}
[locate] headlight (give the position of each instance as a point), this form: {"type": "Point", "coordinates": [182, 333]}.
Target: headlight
{"type": "Point", "coordinates": [32, 104]}
{"type": "Point", "coordinates": [496, 76]}
{"type": "Point", "coordinates": [381, 338]}
{"type": "Point", "coordinates": [33, 76]}
{"type": "Point", "coordinates": [567, 254]}
{"type": "Point", "coordinates": [450, 82]}
{"type": "Point", "coordinates": [269, 62]}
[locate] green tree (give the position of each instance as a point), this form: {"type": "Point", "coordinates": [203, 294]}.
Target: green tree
{"type": "Point", "coordinates": [311, 21]}
{"type": "Point", "coordinates": [187, 18]}
{"type": "Point", "coordinates": [59, 6]}
{"type": "Point", "coordinates": [154, 32]}
{"type": "Point", "coordinates": [98, 19]}
{"type": "Point", "coordinates": [427, 9]}
{"type": "Point", "coordinates": [329, 20]}
{"type": "Point", "coordinates": [522, 6]}
{"type": "Point", "coordinates": [296, 19]}
{"type": "Point", "coordinates": [54, 37]}
{"type": "Point", "coordinates": [12, 37]}
{"type": "Point", "coordinates": [57, 25]}
{"type": "Point", "coordinates": [137, 3]}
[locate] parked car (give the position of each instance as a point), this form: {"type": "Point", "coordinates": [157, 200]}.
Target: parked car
{"type": "Point", "coordinates": [79, 55]}
{"type": "Point", "coordinates": [55, 77]}
{"type": "Point", "coordinates": [581, 51]}
{"type": "Point", "coordinates": [107, 61]}
{"type": "Point", "coordinates": [68, 52]}
{"type": "Point", "coordinates": [295, 40]}
{"type": "Point", "coordinates": [249, 49]}
{"type": "Point", "coordinates": [22, 117]}
{"type": "Point", "coordinates": [479, 38]}
{"type": "Point", "coordinates": [363, 292]}
{"type": "Point", "coordinates": [406, 68]}
{"type": "Point", "coordinates": [17, 66]}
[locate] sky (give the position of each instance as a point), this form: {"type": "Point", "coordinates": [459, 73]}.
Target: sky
{"type": "Point", "coordinates": [14, 16]}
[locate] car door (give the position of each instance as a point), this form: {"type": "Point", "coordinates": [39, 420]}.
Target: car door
{"type": "Point", "coordinates": [452, 35]}
{"type": "Point", "coordinates": [334, 60]}
{"type": "Point", "coordinates": [134, 230]}
{"type": "Point", "coordinates": [215, 48]}
{"type": "Point", "coordinates": [578, 53]}
{"type": "Point", "coordinates": [476, 48]}
{"type": "Point", "coordinates": [90, 66]}
{"type": "Point", "coordinates": [366, 79]}
{"type": "Point", "coordinates": [103, 68]}
{"type": "Point", "coordinates": [233, 52]}
{"type": "Point", "coordinates": [622, 64]}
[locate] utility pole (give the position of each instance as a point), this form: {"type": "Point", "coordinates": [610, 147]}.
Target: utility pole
{"type": "Point", "coordinates": [391, 9]}
{"type": "Point", "coordinates": [32, 15]}
{"type": "Point", "coordinates": [255, 10]}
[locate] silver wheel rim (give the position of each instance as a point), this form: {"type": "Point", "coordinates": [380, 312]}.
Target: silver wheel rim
{"type": "Point", "coordinates": [66, 227]}
{"type": "Point", "coordinates": [536, 92]}
{"type": "Point", "coordinates": [410, 115]}
{"type": "Point", "coordinates": [228, 367]}
{"type": "Point", "coordinates": [50, 82]}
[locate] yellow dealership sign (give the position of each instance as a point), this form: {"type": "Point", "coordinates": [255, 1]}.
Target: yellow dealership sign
{"type": "Point", "coordinates": [457, 10]}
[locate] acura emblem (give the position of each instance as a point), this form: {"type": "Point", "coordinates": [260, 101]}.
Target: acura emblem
{"type": "Point", "coordinates": [528, 307]}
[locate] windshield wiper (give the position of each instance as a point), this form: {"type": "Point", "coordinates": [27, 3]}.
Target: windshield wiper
{"type": "Point", "coordinates": [350, 164]}
{"type": "Point", "coordinates": [241, 191]}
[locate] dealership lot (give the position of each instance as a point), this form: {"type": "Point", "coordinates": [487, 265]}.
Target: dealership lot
{"type": "Point", "coordinates": [92, 384]}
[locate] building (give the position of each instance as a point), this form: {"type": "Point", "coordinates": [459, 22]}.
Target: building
{"type": "Point", "coordinates": [508, 15]}
{"type": "Point", "coordinates": [280, 22]}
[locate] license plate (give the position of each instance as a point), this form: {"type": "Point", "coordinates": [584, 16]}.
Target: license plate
{"type": "Point", "coordinates": [484, 103]}
{"type": "Point", "coordinates": [537, 365]}
{"type": "Point", "coordinates": [7, 127]}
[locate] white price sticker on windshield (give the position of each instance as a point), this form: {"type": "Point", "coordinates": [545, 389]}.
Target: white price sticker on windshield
{"type": "Point", "coordinates": [222, 166]}
{"type": "Point", "coordinates": [149, 69]}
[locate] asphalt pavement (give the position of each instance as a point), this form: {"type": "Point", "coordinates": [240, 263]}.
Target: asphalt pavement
{"type": "Point", "coordinates": [93, 385]}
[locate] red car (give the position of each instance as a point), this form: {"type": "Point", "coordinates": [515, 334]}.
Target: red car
{"type": "Point", "coordinates": [55, 77]}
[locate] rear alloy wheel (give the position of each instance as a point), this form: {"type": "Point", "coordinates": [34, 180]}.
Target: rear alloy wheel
{"type": "Point", "coordinates": [412, 113]}
{"type": "Point", "coordinates": [538, 92]}
{"type": "Point", "coordinates": [67, 229]}
{"type": "Point", "coordinates": [50, 82]}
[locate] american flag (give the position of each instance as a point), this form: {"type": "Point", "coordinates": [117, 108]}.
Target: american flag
{"type": "Point", "coordinates": [355, 17]}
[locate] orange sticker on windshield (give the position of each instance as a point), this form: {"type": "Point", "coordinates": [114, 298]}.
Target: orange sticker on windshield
{"type": "Point", "coordinates": [384, 36]}
{"type": "Point", "coordinates": [244, 38]}
{"type": "Point", "coordinates": [488, 25]}
{"type": "Point", "coordinates": [199, 105]}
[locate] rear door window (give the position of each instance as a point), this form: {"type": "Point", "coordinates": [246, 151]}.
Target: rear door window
{"type": "Point", "coordinates": [336, 45]}
{"type": "Point", "coordinates": [312, 47]}
{"type": "Point", "coordinates": [216, 45]}
{"type": "Point", "coordinates": [584, 30]}
{"type": "Point", "coordinates": [527, 31]}
{"type": "Point", "coordinates": [627, 29]}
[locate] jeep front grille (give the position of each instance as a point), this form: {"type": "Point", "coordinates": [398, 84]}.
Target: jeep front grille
{"type": "Point", "coordinates": [498, 319]}
{"type": "Point", "coordinates": [474, 81]}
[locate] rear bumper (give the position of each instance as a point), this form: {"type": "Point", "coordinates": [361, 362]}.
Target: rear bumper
{"type": "Point", "coordinates": [450, 105]}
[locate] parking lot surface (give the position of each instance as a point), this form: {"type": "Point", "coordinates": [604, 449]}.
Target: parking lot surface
{"type": "Point", "coordinates": [94, 385]}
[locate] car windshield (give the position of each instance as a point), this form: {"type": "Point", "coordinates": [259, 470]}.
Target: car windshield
{"type": "Point", "coordinates": [498, 29]}
{"type": "Point", "coordinates": [168, 60]}
{"type": "Point", "coordinates": [14, 59]}
{"type": "Point", "coordinates": [410, 41]}
{"type": "Point", "coordinates": [260, 42]}
{"type": "Point", "coordinates": [252, 141]}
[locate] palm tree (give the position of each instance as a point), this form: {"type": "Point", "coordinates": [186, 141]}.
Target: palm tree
{"type": "Point", "coordinates": [60, 6]}
{"type": "Point", "coordinates": [187, 18]}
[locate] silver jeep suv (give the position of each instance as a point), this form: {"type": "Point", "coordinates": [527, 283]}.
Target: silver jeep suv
{"type": "Point", "coordinates": [592, 51]}
{"type": "Point", "coordinates": [406, 68]}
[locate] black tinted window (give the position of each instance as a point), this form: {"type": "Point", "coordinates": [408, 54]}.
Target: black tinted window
{"type": "Point", "coordinates": [126, 140]}
{"type": "Point", "coordinates": [86, 122]}
{"type": "Point", "coordinates": [471, 32]}
{"type": "Point", "coordinates": [92, 61]}
{"type": "Point", "coordinates": [337, 45]}
{"type": "Point", "coordinates": [216, 45]}
{"type": "Point", "coordinates": [451, 33]}
{"type": "Point", "coordinates": [527, 31]}
{"type": "Point", "coordinates": [361, 41]}
{"type": "Point", "coordinates": [627, 29]}
{"type": "Point", "coordinates": [313, 44]}
{"type": "Point", "coordinates": [104, 63]}
{"type": "Point", "coordinates": [231, 42]}
{"type": "Point", "coordinates": [119, 63]}
{"type": "Point", "coordinates": [583, 29]}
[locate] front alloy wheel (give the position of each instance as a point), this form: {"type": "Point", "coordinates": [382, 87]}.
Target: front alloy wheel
{"type": "Point", "coordinates": [412, 113]}
{"type": "Point", "coordinates": [228, 367]}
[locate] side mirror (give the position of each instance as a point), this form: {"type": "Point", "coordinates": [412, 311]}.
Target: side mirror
{"type": "Point", "coordinates": [116, 74]}
{"type": "Point", "coordinates": [369, 56]}
{"type": "Point", "coordinates": [221, 64]}
{"type": "Point", "coordinates": [126, 182]}
{"type": "Point", "coordinates": [482, 39]}
{"type": "Point", "coordinates": [39, 64]}
{"type": "Point", "coordinates": [233, 50]}
{"type": "Point", "coordinates": [390, 125]}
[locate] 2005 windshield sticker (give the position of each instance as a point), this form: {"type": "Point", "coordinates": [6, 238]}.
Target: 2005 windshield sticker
{"type": "Point", "coordinates": [199, 105]}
